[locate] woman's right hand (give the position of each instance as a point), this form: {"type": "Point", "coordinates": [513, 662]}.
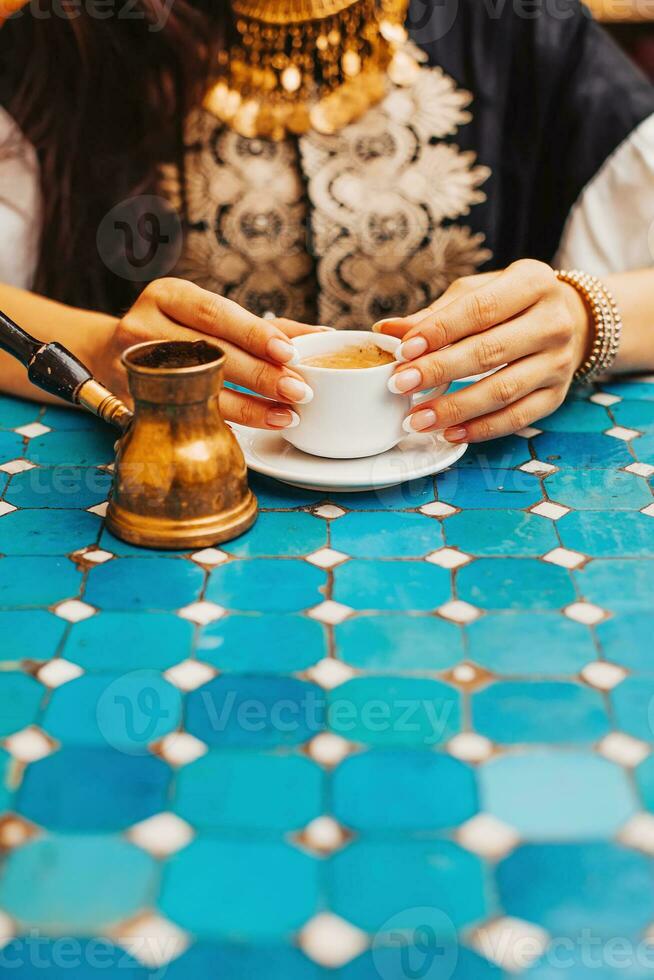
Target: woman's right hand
{"type": "Point", "coordinates": [259, 354]}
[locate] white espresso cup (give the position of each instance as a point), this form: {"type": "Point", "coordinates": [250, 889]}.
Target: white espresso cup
{"type": "Point", "coordinates": [353, 414]}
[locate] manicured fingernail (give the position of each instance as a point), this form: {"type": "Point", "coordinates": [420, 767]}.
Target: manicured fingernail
{"type": "Point", "coordinates": [282, 418]}
{"type": "Point", "coordinates": [419, 421]}
{"type": "Point", "coordinates": [456, 435]}
{"type": "Point", "coordinates": [330, 329]}
{"type": "Point", "coordinates": [292, 390]}
{"type": "Point", "coordinates": [282, 351]}
{"type": "Point", "coordinates": [377, 327]}
{"type": "Point", "coordinates": [411, 349]}
{"type": "Point", "coordinates": [405, 381]}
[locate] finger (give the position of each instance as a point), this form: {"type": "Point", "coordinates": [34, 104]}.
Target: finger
{"type": "Point", "coordinates": [293, 328]}
{"type": "Point", "coordinates": [207, 312]}
{"type": "Point", "coordinates": [264, 378]}
{"type": "Point", "coordinates": [484, 397]}
{"type": "Point", "coordinates": [510, 294]}
{"type": "Point", "coordinates": [256, 412]}
{"type": "Point", "coordinates": [399, 326]}
{"type": "Point", "coordinates": [478, 354]}
{"type": "Point", "coordinates": [517, 416]}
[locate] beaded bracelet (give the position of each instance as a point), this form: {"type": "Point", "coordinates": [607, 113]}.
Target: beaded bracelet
{"type": "Point", "coordinates": [606, 319]}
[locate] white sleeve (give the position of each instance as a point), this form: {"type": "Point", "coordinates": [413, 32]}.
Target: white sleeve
{"type": "Point", "coordinates": [611, 227]}
{"type": "Point", "coordinates": [20, 206]}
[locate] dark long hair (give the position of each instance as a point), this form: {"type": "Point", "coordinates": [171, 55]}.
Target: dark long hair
{"type": "Point", "coordinates": [103, 103]}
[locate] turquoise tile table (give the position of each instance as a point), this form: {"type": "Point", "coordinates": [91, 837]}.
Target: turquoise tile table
{"type": "Point", "coordinates": [381, 736]}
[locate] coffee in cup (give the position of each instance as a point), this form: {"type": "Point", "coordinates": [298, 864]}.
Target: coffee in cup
{"type": "Point", "coordinates": [355, 357]}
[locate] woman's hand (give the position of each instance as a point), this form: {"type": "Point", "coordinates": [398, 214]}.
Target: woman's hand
{"type": "Point", "coordinates": [524, 321]}
{"type": "Point", "coordinates": [259, 355]}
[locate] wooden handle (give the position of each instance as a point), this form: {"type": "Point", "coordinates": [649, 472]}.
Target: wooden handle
{"type": "Point", "coordinates": [49, 366]}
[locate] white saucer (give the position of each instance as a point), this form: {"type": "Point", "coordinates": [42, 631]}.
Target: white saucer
{"type": "Point", "coordinates": [416, 456]}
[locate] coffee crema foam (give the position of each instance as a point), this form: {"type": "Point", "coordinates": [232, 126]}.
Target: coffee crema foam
{"type": "Point", "coordinates": [352, 358]}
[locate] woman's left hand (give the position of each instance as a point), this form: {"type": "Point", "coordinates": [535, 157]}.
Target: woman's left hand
{"type": "Point", "coordinates": [524, 320]}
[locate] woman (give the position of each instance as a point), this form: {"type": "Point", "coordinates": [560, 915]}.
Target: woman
{"type": "Point", "coordinates": [297, 159]}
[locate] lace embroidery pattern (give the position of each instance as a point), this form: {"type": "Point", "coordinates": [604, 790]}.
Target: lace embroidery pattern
{"type": "Point", "coordinates": [376, 230]}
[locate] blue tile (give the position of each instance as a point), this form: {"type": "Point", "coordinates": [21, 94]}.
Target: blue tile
{"type": "Point", "coordinates": [404, 496]}
{"type": "Point", "coordinates": [91, 448]}
{"type": "Point", "coordinates": [39, 532]}
{"type": "Point", "coordinates": [67, 420]}
{"type": "Point", "coordinates": [111, 790]}
{"type": "Point", "coordinates": [7, 780]}
{"type": "Point", "coordinates": [69, 958]}
{"type": "Point", "coordinates": [249, 791]}
{"type": "Point", "coordinates": [626, 639]}
{"type": "Point", "coordinates": [278, 496]}
{"type": "Point", "coordinates": [545, 711]}
{"type": "Point", "coordinates": [386, 535]}
{"type": "Point", "coordinates": [113, 642]}
{"type": "Point", "coordinates": [618, 585]}
{"type": "Point", "coordinates": [20, 699]}
{"type": "Point", "coordinates": [15, 413]}
{"type": "Point", "coordinates": [538, 644]}
{"type": "Point", "coordinates": [625, 535]}
{"type": "Point", "coordinates": [123, 711]}
{"type": "Point", "coordinates": [403, 790]}
{"type": "Point", "coordinates": [634, 414]}
{"type": "Point", "coordinates": [515, 583]}
{"type": "Point", "coordinates": [392, 643]}
{"type": "Point", "coordinates": [61, 487]}
{"type": "Point", "coordinates": [500, 532]}
{"type": "Point", "coordinates": [11, 446]}
{"type": "Point", "coordinates": [582, 450]}
{"type": "Point", "coordinates": [399, 585]}
{"type": "Point", "coordinates": [567, 888]}
{"type": "Point", "coordinates": [645, 782]}
{"type": "Point", "coordinates": [370, 882]}
{"type": "Point", "coordinates": [37, 581]}
{"type": "Point", "coordinates": [266, 585]}
{"type": "Point", "coordinates": [395, 711]}
{"type": "Point", "coordinates": [291, 534]}
{"type": "Point", "coordinates": [270, 643]}
{"type": "Point", "coordinates": [240, 962]}
{"type": "Point", "coordinates": [144, 583]}
{"type": "Point", "coordinates": [251, 889]}
{"type": "Point", "coordinates": [124, 550]}
{"type": "Point", "coordinates": [633, 705]}
{"type": "Point", "coordinates": [30, 634]}
{"type": "Point", "coordinates": [605, 490]}
{"type": "Point", "coordinates": [639, 390]}
{"type": "Point", "coordinates": [68, 870]}
{"type": "Point", "coordinates": [499, 454]}
{"type": "Point", "coordinates": [577, 416]}
{"type": "Point", "coordinates": [433, 955]}
{"type": "Point", "coordinates": [489, 488]}
{"type": "Point", "coordinates": [585, 959]}
{"type": "Point", "coordinates": [518, 789]}
{"type": "Point", "coordinates": [240, 711]}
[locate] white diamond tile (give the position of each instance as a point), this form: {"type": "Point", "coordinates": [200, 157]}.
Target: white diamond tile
{"type": "Point", "coordinates": [58, 671]}
{"type": "Point", "coordinates": [33, 430]}
{"type": "Point", "coordinates": [161, 835]}
{"type": "Point", "coordinates": [640, 469]}
{"type": "Point", "coordinates": [564, 558]}
{"type": "Point", "coordinates": [464, 673]}
{"type": "Point", "coordinates": [511, 943]}
{"type": "Point", "coordinates": [324, 835]}
{"type": "Point", "coordinates": [648, 511]}
{"type": "Point", "coordinates": [484, 834]}
{"type": "Point", "coordinates": [6, 508]}
{"type": "Point", "coordinates": [29, 744]}
{"type": "Point", "coordinates": [585, 612]}
{"type": "Point", "coordinates": [329, 511]}
{"type": "Point", "coordinates": [99, 509]}
{"type": "Point", "coordinates": [536, 466]}
{"type": "Point", "coordinates": [448, 558]}
{"type": "Point", "coordinates": [329, 749]}
{"type": "Point", "coordinates": [459, 611]}
{"type": "Point", "coordinates": [152, 940]}
{"type": "Point", "coordinates": [74, 610]}
{"type": "Point", "coordinates": [330, 672]}
{"type": "Point", "coordinates": [327, 558]}
{"type": "Point", "coordinates": [17, 466]}
{"type": "Point", "coordinates": [620, 432]}
{"type": "Point", "coordinates": [331, 941]}
{"type": "Point", "coordinates": [7, 929]}
{"type": "Point", "coordinates": [190, 674]}
{"type": "Point", "coordinates": [639, 833]}
{"type": "Point", "coordinates": [547, 509]}
{"type": "Point", "coordinates": [438, 509]}
{"type": "Point", "coordinates": [97, 555]}
{"type": "Point", "coordinates": [603, 676]}
{"type": "Point", "coordinates": [181, 748]}
{"type": "Point", "coordinates": [623, 749]}
{"type": "Point", "coordinates": [528, 432]}
{"type": "Point", "coordinates": [330, 612]}
{"type": "Point", "coordinates": [604, 398]}
{"type": "Point", "coordinates": [202, 613]}
{"type": "Point", "coordinates": [470, 747]}
{"type": "Point", "coordinates": [14, 831]}
{"type": "Point", "coordinates": [210, 556]}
